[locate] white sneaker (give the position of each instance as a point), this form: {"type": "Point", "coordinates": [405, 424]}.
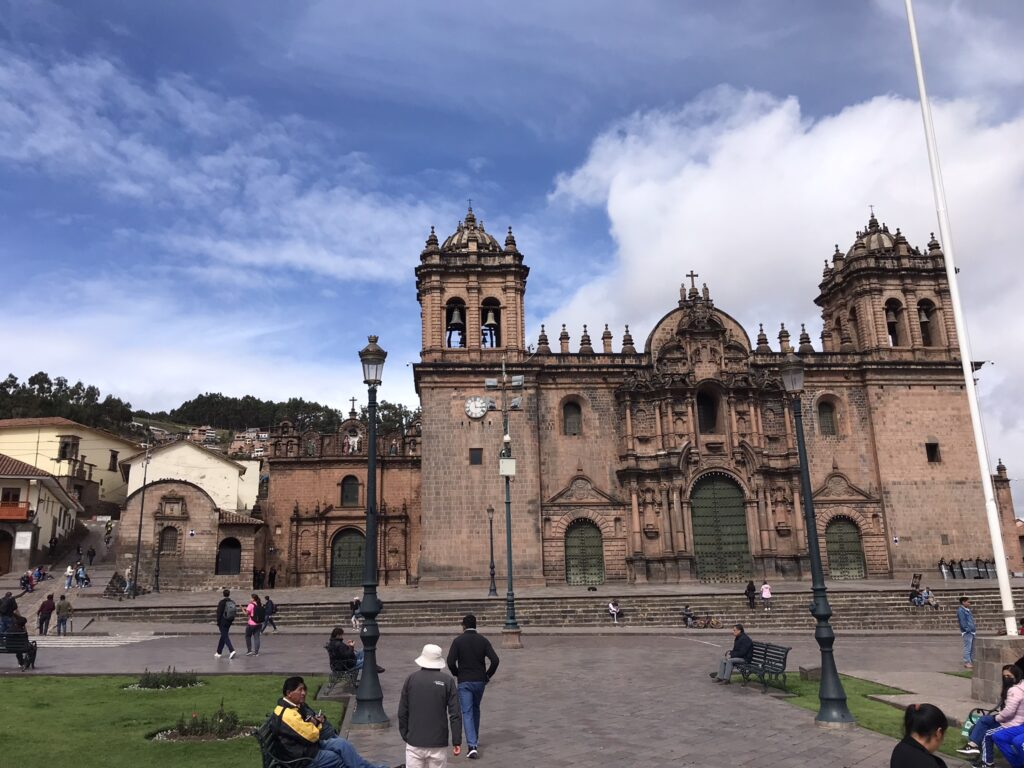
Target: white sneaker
{"type": "Point", "coordinates": [231, 655]}
{"type": "Point", "coordinates": [216, 655]}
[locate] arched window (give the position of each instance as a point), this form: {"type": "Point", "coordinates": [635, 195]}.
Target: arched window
{"type": "Point", "coordinates": [925, 317]}
{"type": "Point", "coordinates": [455, 323]}
{"type": "Point", "coordinates": [894, 323]}
{"type": "Point", "coordinates": [572, 419]}
{"type": "Point", "coordinates": [827, 418]}
{"type": "Point", "coordinates": [490, 324]}
{"type": "Point", "coordinates": [707, 412]}
{"type": "Point", "coordinates": [350, 491]}
{"type": "Point", "coordinates": [169, 540]}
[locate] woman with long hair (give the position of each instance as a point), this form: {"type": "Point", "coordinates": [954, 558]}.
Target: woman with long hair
{"type": "Point", "coordinates": [254, 626]}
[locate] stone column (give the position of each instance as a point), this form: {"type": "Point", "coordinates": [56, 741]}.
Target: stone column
{"type": "Point", "coordinates": [691, 418]}
{"type": "Point", "coordinates": [666, 516]}
{"type": "Point", "coordinates": [991, 654]}
{"type": "Point", "coordinates": [788, 419]}
{"type": "Point", "coordinates": [686, 511]}
{"type": "Point", "coordinates": [630, 443]}
{"type": "Point", "coordinates": [733, 438]}
{"type": "Point", "coordinates": [910, 310]}
{"type": "Point", "coordinates": [659, 433]}
{"type": "Point", "coordinates": [762, 518]}
{"type": "Point", "coordinates": [798, 514]}
{"type": "Point", "coordinates": [473, 316]}
{"type": "Point", "coordinates": [677, 521]}
{"type": "Point", "coordinates": [637, 533]}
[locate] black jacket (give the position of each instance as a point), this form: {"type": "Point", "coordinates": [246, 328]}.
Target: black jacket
{"type": "Point", "coordinates": [742, 647]}
{"type": "Point", "coordinates": [341, 655]}
{"type": "Point", "coordinates": [467, 655]}
{"type": "Point", "coordinates": [220, 611]}
{"type": "Point", "coordinates": [428, 696]}
{"type": "Point", "coordinates": [909, 754]}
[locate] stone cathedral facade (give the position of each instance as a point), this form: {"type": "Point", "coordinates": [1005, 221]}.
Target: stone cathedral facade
{"type": "Point", "coordinates": [674, 459]}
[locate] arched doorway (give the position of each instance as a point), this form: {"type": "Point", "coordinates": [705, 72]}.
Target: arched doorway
{"type": "Point", "coordinates": [347, 558]}
{"type": "Point", "coordinates": [6, 551]}
{"type": "Point", "coordinates": [229, 557]}
{"type": "Point", "coordinates": [584, 554]}
{"type": "Point", "coordinates": [719, 530]}
{"type": "Point", "coordinates": [845, 552]}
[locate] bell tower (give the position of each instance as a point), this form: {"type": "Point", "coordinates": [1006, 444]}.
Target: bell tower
{"type": "Point", "coordinates": [470, 291]}
{"type": "Point", "coordinates": [887, 298]}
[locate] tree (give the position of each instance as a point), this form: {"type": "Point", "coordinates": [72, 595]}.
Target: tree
{"type": "Point", "coordinates": [391, 417]}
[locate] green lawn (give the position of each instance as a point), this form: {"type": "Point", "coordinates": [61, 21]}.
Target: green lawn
{"type": "Point", "coordinates": [92, 722]}
{"type": "Point", "coordinates": [873, 715]}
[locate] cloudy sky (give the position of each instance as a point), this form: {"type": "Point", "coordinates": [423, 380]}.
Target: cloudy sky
{"type": "Point", "coordinates": [229, 196]}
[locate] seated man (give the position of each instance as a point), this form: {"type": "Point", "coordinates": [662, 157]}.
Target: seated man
{"type": "Point", "coordinates": [343, 655]}
{"type": "Point", "coordinates": [614, 611]}
{"type": "Point", "coordinates": [742, 652]}
{"type": "Point", "coordinates": [688, 616]}
{"type": "Point", "coordinates": [916, 598]}
{"type": "Point", "coordinates": [302, 732]}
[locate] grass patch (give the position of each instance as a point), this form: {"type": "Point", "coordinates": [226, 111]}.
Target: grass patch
{"type": "Point", "coordinates": [968, 673]}
{"type": "Point", "coordinates": [104, 726]}
{"type": "Point", "coordinates": [873, 715]}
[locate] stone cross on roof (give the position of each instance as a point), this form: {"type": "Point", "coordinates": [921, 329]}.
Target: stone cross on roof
{"type": "Point", "coordinates": [693, 279]}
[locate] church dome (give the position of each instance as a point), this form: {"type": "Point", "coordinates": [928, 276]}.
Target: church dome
{"type": "Point", "coordinates": [468, 233]}
{"type": "Point", "coordinates": [874, 238]}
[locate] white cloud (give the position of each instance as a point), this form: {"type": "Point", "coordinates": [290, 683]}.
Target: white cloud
{"type": "Point", "coordinates": [752, 194]}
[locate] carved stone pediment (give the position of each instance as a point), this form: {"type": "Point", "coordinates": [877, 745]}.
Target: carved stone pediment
{"type": "Point", "coordinates": [837, 486]}
{"type": "Point", "coordinates": [581, 490]}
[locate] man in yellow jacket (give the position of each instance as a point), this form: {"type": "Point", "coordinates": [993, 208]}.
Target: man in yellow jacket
{"type": "Point", "coordinates": [302, 732]}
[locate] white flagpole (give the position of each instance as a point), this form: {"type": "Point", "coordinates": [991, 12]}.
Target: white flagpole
{"type": "Point", "coordinates": [991, 509]}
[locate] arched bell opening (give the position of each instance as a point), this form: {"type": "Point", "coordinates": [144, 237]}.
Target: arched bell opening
{"type": "Point", "coordinates": [490, 327]}
{"type": "Point", "coordinates": [455, 324]}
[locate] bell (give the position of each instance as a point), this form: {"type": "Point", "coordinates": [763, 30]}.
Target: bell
{"type": "Point", "coordinates": [490, 322]}
{"type": "Point", "coordinates": [922, 315]}
{"type": "Point", "coordinates": [455, 321]}
{"type": "Point", "coordinates": [890, 316]}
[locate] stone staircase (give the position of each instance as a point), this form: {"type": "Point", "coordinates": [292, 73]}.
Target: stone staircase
{"type": "Point", "coordinates": [867, 610]}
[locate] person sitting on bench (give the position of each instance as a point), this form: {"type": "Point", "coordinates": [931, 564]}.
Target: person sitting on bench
{"type": "Point", "coordinates": [742, 652]}
{"type": "Point", "coordinates": [344, 657]}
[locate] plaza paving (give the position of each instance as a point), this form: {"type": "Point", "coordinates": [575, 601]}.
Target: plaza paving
{"type": "Point", "coordinates": [593, 699]}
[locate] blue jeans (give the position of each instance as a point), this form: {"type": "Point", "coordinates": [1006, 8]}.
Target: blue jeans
{"type": "Point", "coordinates": [224, 639]}
{"type": "Point", "coordinates": [62, 626]}
{"type": "Point", "coordinates": [470, 695]}
{"type": "Point", "coordinates": [981, 725]}
{"type": "Point", "coordinates": [335, 752]}
{"type": "Point", "coordinates": [1011, 743]}
{"type": "Point", "coordinates": [968, 638]}
{"type": "Point", "coordinates": [6, 623]}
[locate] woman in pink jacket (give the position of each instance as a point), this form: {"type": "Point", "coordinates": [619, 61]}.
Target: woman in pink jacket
{"type": "Point", "coordinates": [254, 626]}
{"type": "Point", "coordinates": [1011, 716]}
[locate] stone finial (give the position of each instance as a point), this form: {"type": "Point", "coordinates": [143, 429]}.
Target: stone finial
{"type": "Point", "coordinates": [1001, 470]}
{"type": "Point", "coordinates": [586, 348]}
{"type": "Point", "coordinates": [627, 343]}
{"type": "Point", "coordinates": [543, 348]}
{"type": "Point", "coordinates": [563, 341]}
{"type": "Point", "coordinates": [784, 345]}
{"type": "Point", "coordinates": [762, 340]}
{"type": "Point", "coordinates": [510, 241]}
{"type": "Point", "coordinates": [606, 340]}
{"type": "Point", "coordinates": [826, 273]}
{"type": "Point", "coordinates": [934, 249]}
{"type": "Point", "coordinates": [470, 217]}
{"type": "Point", "coordinates": [872, 221]}
{"type": "Point", "coordinates": [432, 244]}
{"type": "Point", "coordinates": [805, 340]}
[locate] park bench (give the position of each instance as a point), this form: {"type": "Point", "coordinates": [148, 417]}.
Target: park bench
{"type": "Point", "coordinates": [768, 663]}
{"type": "Point", "coordinates": [18, 642]}
{"type": "Point", "coordinates": [341, 673]}
{"type": "Point", "coordinates": [269, 746]}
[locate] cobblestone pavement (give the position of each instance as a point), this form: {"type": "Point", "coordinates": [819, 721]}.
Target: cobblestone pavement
{"type": "Point", "coordinates": [586, 700]}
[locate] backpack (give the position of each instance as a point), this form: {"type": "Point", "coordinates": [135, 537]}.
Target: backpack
{"type": "Point", "coordinates": [259, 613]}
{"type": "Point", "coordinates": [230, 611]}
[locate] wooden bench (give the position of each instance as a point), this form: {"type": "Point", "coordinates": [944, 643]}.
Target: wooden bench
{"type": "Point", "coordinates": [18, 642]}
{"type": "Point", "coordinates": [269, 745]}
{"type": "Point", "coordinates": [768, 663]}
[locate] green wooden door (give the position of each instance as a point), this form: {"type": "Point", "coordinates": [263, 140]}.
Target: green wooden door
{"type": "Point", "coordinates": [347, 559]}
{"type": "Point", "coordinates": [845, 552]}
{"type": "Point", "coordinates": [720, 530]}
{"type": "Point", "coordinates": [584, 554]}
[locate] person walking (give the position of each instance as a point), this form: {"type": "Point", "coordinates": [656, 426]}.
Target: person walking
{"type": "Point", "coordinates": [466, 662]}
{"type": "Point", "coordinates": [766, 595]}
{"type": "Point", "coordinates": [43, 614]}
{"type": "Point", "coordinates": [63, 615]}
{"type": "Point", "coordinates": [427, 709]}
{"type": "Point", "coordinates": [269, 609]}
{"type": "Point", "coordinates": [254, 626]}
{"type": "Point", "coordinates": [91, 554]}
{"type": "Point", "coordinates": [272, 577]}
{"type": "Point", "coordinates": [353, 606]}
{"type": "Point", "coordinates": [69, 575]}
{"type": "Point", "coordinates": [127, 579]}
{"type": "Point", "coordinates": [227, 609]}
{"type": "Point", "coordinates": [965, 618]}
{"type": "Point", "coordinates": [751, 594]}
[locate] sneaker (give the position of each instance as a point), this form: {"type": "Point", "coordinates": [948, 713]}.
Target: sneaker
{"type": "Point", "coordinates": [713, 675]}
{"type": "Point", "coordinates": [257, 653]}
{"type": "Point", "coordinates": [216, 655]}
{"type": "Point", "coordinates": [969, 749]}
{"type": "Point", "coordinates": [380, 669]}
{"type": "Point", "coordinates": [473, 753]}
{"type": "Point", "coordinates": [231, 655]}
{"type": "Point", "coordinates": [248, 653]}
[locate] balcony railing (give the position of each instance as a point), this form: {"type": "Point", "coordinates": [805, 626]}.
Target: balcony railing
{"type": "Point", "coordinates": [14, 510]}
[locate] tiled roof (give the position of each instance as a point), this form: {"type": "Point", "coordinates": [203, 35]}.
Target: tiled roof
{"type": "Point", "coordinates": [234, 518]}
{"type": "Point", "coordinates": [10, 467]}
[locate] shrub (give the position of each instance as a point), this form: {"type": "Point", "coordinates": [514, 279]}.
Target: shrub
{"type": "Point", "coordinates": [168, 678]}
{"type": "Point", "coordinates": [221, 724]}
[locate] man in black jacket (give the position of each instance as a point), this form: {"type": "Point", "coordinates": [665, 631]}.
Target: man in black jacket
{"type": "Point", "coordinates": [428, 696]}
{"type": "Point", "coordinates": [742, 652]}
{"type": "Point", "coordinates": [466, 660]}
{"type": "Point", "coordinates": [226, 611]}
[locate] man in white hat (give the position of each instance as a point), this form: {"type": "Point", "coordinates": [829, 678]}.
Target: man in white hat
{"type": "Point", "coordinates": [428, 696]}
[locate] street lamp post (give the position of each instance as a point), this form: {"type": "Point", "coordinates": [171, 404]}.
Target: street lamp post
{"type": "Point", "coordinates": [492, 591]}
{"type": "Point", "coordinates": [142, 511]}
{"type": "Point", "coordinates": [369, 696]}
{"type": "Point", "coordinates": [832, 711]}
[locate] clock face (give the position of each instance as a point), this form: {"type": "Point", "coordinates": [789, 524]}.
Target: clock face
{"type": "Point", "coordinates": [476, 407]}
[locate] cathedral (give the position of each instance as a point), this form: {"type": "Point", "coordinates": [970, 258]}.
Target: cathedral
{"type": "Point", "coordinates": [667, 461]}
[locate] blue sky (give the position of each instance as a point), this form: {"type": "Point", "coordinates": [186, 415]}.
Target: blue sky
{"type": "Point", "coordinates": [229, 196]}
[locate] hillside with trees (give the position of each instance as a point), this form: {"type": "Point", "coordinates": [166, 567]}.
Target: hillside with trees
{"type": "Point", "coordinates": [42, 396]}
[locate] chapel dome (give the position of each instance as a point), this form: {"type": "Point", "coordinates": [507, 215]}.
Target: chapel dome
{"type": "Point", "coordinates": [470, 231]}
{"type": "Point", "coordinates": [874, 238]}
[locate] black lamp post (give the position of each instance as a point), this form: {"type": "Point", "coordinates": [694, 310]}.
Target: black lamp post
{"type": "Point", "coordinates": [492, 591]}
{"type": "Point", "coordinates": [832, 711]}
{"type": "Point", "coordinates": [369, 696]}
